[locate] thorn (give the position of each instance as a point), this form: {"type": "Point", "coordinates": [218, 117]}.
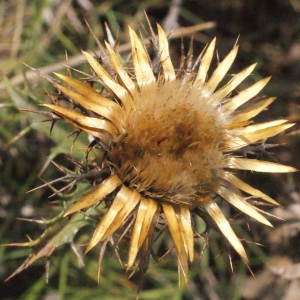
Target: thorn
{"type": "Point", "coordinates": [249, 269]}
{"type": "Point", "coordinates": [80, 261]}
{"type": "Point", "coordinates": [32, 221]}
{"type": "Point", "coordinates": [110, 37]}
{"type": "Point", "coordinates": [47, 268]}
{"type": "Point", "coordinates": [101, 254]}
{"type": "Point", "coordinates": [230, 262]}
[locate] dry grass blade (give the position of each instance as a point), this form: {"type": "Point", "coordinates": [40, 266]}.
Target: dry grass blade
{"type": "Point", "coordinates": [77, 60]}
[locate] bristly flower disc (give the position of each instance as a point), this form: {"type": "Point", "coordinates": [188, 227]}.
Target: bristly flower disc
{"type": "Point", "coordinates": [173, 140]}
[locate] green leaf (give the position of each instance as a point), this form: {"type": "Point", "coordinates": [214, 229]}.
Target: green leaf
{"type": "Point", "coordinates": [53, 237]}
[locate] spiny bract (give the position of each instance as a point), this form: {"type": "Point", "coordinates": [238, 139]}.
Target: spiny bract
{"type": "Point", "coordinates": [173, 141]}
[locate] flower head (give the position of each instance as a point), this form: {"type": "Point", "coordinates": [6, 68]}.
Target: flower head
{"type": "Point", "coordinates": [173, 140]}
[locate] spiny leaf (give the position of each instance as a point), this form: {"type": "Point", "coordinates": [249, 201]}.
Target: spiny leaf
{"type": "Point", "coordinates": [54, 236]}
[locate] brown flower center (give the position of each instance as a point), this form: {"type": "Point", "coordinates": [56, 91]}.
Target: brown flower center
{"type": "Point", "coordinates": [171, 150]}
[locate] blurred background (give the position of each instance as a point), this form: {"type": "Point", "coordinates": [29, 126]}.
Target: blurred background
{"type": "Point", "coordinates": [40, 34]}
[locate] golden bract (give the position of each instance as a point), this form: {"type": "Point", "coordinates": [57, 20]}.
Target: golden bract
{"type": "Point", "coordinates": [172, 141]}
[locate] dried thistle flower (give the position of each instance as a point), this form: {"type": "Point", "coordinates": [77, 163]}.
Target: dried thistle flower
{"type": "Point", "coordinates": [173, 141]}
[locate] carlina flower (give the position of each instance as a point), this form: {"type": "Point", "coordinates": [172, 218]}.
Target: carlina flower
{"type": "Point", "coordinates": [173, 141]}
